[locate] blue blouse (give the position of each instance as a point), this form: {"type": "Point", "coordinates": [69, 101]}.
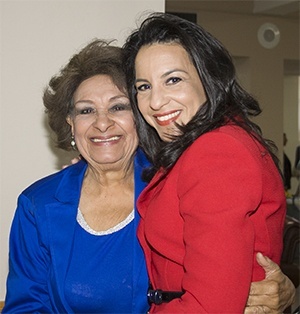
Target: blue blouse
{"type": "Point", "coordinates": [101, 267]}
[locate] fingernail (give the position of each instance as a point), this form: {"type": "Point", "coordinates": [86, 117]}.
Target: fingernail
{"type": "Point", "coordinates": [262, 256]}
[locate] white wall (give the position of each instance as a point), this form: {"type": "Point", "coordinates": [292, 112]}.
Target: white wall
{"type": "Point", "coordinates": [36, 39]}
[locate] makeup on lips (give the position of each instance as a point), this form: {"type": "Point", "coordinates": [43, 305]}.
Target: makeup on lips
{"type": "Point", "coordinates": [167, 118]}
{"type": "Point", "coordinates": [106, 140]}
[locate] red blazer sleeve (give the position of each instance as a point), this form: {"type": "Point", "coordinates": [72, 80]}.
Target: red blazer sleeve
{"type": "Point", "coordinates": [222, 186]}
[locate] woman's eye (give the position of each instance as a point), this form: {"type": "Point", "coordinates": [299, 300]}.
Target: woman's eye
{"type": "Point", "coordinates": [120, 107]}
{"type": "Point", "coordinates": [88, 111]}
{"type": "Point", "coordinates": [143, 87]}
{"type": "Point", "coordinates": [173, 80]}
{"type": "Point", "coordinates": [85, 111]}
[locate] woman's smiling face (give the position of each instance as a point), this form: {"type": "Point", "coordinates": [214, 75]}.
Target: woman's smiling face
{"type": "Point", "coordinates": [102, 122]}
{"type": "Point", "coordinates": [168, 87]}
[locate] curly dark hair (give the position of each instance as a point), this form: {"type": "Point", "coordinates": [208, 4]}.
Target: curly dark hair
{"type": "Point", "coordinates": [98, 57]}
{"type": "Point", "coordinates": [226, 99]}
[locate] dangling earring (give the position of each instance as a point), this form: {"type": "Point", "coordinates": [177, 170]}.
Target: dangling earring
{"type": "Point", "coordinates": [73, 144]}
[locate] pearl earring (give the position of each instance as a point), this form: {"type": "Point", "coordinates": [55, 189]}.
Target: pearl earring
{"type": "Point", "coordinates": [73, 143]}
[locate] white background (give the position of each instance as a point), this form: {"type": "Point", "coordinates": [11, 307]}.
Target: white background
{"type": "Point", "coordinates": [37, 39]}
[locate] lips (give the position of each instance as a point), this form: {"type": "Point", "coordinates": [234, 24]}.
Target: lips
{"type": "Point", "coordinates": [167, 118]}
{"type": "Point", "coordinates": [105, 140]}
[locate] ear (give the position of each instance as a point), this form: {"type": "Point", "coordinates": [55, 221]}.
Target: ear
{"type": "Point", "coordinates": [70, 122]}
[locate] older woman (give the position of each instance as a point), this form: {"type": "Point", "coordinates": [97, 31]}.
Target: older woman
{"type": "Point", "coordinates": [73, 245]}
{"type": "Point", "coordinates": [217, 197]}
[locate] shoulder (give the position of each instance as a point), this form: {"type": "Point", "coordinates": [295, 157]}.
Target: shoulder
{"type": "Point", "coordinates": [48, 185]}
{"type": "Point", "coordinates": [43, 183]}
{"type": "Point", "coordinates": [221, 161]}
{"type": "Point", "coordinates": [232, 133]}
{"type": "Point", "coordinates": [141, 159]}
{"type": "Point", "coordinates": [230, 138]}
{"type": "Point", "coordinates": [140, 164]}
{"type": "Point", "coordinates": [228, 147]}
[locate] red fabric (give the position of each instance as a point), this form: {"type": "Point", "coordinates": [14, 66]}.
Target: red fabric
{"type": "Point", "coordinates": [202, 225]}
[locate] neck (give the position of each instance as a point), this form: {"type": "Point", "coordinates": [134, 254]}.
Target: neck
{"type": "Point", "coordinates": [122, 176]}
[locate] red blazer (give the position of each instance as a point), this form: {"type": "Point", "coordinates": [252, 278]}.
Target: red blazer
{"type": "Point", "coordinates": [203, 224]}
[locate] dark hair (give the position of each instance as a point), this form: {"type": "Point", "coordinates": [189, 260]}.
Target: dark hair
{"type": "Point", "coordinates": [226, 99]}
{"type": "Point", "coordinates": [97, 58]}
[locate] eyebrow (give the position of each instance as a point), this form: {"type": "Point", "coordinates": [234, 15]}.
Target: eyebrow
{"type": "Point", "coordinates": [140, 80]}
{"type": "Point", "coordinates": [118, 97]}
{"type": "Point", "coordinates": [110, 99]}
{"type": "Point", "coordinates": [82, 101]}
{"type": "Point", "coordinates": [163, 76]}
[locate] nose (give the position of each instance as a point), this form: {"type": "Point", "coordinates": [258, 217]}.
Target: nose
{"type": "Point", "coordinates": [158, 98]}
{"type": "Point", "coordinates": [103, 121]}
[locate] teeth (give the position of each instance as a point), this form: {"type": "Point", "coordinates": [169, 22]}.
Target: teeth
{"type": "Point", "coordinates": [168, 117]}
{"type": "Point", "coordinates": [114, 138]}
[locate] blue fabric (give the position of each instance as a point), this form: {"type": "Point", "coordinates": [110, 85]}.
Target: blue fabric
{"type": "Point", "coordinates": [100, 269]}
{"type": "Point", "coordinates": [41, 243]}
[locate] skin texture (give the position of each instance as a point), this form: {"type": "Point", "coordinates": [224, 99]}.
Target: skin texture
{"type": "Point", "coordinates": [273, 294]}
{"type": "Point", "coordinates": [168, 85]}
{"type": "Point", "coordinates": [102, 123]}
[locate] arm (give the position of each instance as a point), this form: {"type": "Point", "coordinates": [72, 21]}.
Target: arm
{"type": "Point", "coordinates": [219, 198]}
{"type": "Point", "coordinates": [27, 289]}
{"type": "Point", "coordinates": [273, 294]}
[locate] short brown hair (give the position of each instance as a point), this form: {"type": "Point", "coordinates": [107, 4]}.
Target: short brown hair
{"type": "Point", "coordinates": [99, 57]}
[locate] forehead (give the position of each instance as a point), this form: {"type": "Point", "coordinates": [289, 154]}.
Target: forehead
{"type": "Point", "coordinates": [162, 54]}
{"type": "Point", "coordinates": [97, 86]}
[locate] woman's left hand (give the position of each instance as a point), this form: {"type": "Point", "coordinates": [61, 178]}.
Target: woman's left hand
{"type": "Point", "coordinates": [273, 294]}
